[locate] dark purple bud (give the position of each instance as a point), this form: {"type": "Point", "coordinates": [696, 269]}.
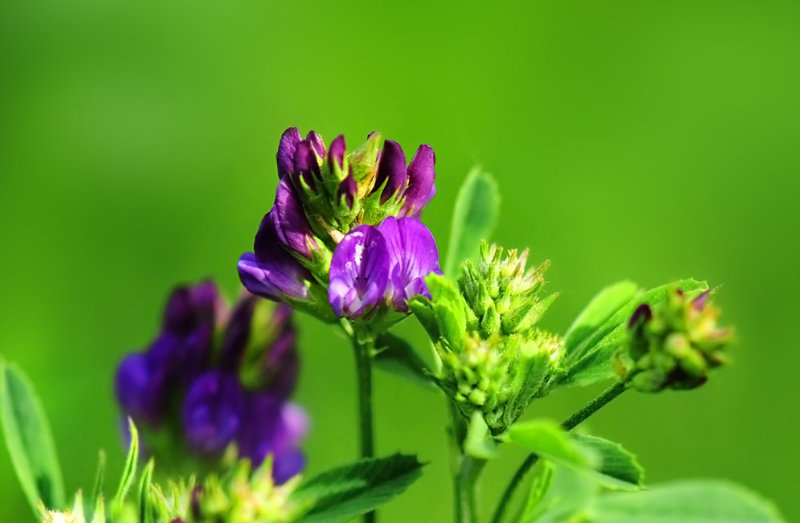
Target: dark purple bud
{"type": "Point", "coordinates": [290, 221]}
{"type": "Point", "coordinates": [212, 412]}
{"type": "Point", "coordinates": [391, 170]}
{"type": "Point", "coordinates": [359, 272]}
{"type": "Point", "coordinates": [421, 174]}
{"type": "Point", "coordinates": [349, 189]}
{"type": "Point", "coordinates": [336, 153]}
{"type": "Point", "coordinates": [413, 254]}
{"type": "Point", "coordinates": [700, 302]}
{"type": "Point", "coordinates": [276, 278]}
{"type": "Point", "coordinates": [289, 140]}
{"type": "Point", "coordinates": [317, 142]}
{"type": "Point", "coordinates": [281, 364]}
{"type": "Point", "coordinates": [237, 333]}
{"type": "Point", "coordinates": [140, 389]}
{"type": "Point", "coordinates": [306, 166]}
{"type": "Point", "coordinates": [642, 313]}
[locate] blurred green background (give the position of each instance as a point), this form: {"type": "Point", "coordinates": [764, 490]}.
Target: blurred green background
{"type": "Point", "coordinates": [648, 140]}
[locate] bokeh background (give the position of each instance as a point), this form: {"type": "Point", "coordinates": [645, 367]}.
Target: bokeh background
{"type": "Point", "coordinates": [643, 140]}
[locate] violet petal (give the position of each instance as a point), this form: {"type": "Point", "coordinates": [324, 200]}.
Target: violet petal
{"type": "Point", "coordinates": [391, 170]}
{"type": "Point", "coordinates": [359, 272]}
{"type": "Point", "coordinates": [289, 140]}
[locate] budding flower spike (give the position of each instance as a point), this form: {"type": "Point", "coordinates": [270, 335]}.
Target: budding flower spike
{"type": "Point", "coordinates": [212, 380]}
{"type": "Point", "coordinates": [674, 344]}
{"type": "Point", "coordinates": [343, 238]}
{"type": "Point", "coordinates": [494, 360]}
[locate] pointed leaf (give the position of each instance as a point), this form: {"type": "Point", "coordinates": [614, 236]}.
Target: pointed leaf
{"type": "Point", "coordinates": [568, 494]}
{"type": "Point", "coordinates": [29, 440]}
{"type": "Point", "coordinates": [129, 471]}
{"type": "Point", "coordinates": [602, 307]}
{"type": "Point", "coordinates": [346, 492]}
{"type": "Point", "coordinates": [474, 217]}
{"type": "Point", "coordinates": [689, 501]}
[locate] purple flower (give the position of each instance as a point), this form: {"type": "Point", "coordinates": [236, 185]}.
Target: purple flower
{"type": "Point", "coordinates": [213, 412]}
{"type": "Point", "coordinates": [359, 272]}
{"type": "Point", "coordinates": [336, 153]}
{"type": "Point", "coordinates": [421, 174]}
{"type": "Point", "coordinates": [270, 271]}
{"type": "Point", "coordinates": [413, 256]}
{"type": "Point", "coordinates": [388, 263]}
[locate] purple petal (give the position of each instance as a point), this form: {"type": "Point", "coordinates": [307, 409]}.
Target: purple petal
{"type": "Point", "coordinates": [359, 272]}
{"type": "Point", "coordinates": [281, 364]}
{"type": "Point", "coordinates": [140, 389]}
{"type": "Point", "coordinates": [212, 412]}
{"type": "Point", "coordinates": [421, 174]}
{"type": "Point", "coordinates": [413, 254]}
{"type": "Point", "coordinates": [255, 438]}
{"type": "Point", "coordinates": [277, 278]}
{"type": "Point", "coordinates": [391, 170]}
{"type": "Point", "coordinates": [336, 153]}
{"type": "Point", "coordinates": [317, 142]}
{"type": "Point", "coordinates": [700, 302]}
{"type": "Point", "coordinates": [349, 189]}
{"type": "Point", "coordinates": [293, 425]}
{"type": "Point", "coordinates": [289, 140]}
{"type": "Point", "coordinates": [290, 221]}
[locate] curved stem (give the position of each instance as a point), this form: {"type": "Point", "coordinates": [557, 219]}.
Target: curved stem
{"type": "Point", "coordinates": [573, 421]}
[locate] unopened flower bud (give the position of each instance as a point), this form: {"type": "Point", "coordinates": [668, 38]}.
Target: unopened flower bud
{"type": "Point", "coordinates": [673, 345]}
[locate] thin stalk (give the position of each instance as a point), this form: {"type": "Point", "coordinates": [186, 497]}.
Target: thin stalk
{"type": "Point", "coordinates": [363, 348]}
{"type": "Point", "coordinates": [573, 421]}
{"type": "Point", "coordinates": [465, 469]}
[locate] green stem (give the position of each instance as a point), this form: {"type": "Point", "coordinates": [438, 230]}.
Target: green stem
{"type": "Point", "coordinates": [573, 421]}
{"type": "Point", "coordinates": [363, 348]}
{"type": "Point", "coordinates": [466, 471]}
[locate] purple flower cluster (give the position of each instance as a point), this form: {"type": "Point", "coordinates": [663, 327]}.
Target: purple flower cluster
{"type": "Point", "coordinates": [346, 219]}
{"type": "Point", "coordinates": [210, 395]}
{"type": "Point", "coordinates": [379, 265]}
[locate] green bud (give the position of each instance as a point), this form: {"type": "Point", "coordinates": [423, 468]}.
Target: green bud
{"type": "Point", "coordinates": [673, 345]}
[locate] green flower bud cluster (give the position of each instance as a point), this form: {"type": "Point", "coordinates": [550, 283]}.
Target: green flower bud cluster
{"type": "Point", "coordinates": [240, 495]}
{"type": "Point", "coordinates": [493, 357]}
{"type": "Point", "coordinates": [673, 345]}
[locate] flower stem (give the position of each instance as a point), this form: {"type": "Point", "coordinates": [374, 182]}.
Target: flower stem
{"type": "Point", "coordinates": [573, 421]}
{"type": "Point", "coordinates": [465, 469]}
{"type": "Point", "coordinates": [363, 348]}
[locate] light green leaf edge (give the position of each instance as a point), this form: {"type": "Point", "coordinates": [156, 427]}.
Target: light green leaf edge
{"type": "Point", "coordinates": [29, 440]}
{"type": "Point", "coordinates": [475, 217]}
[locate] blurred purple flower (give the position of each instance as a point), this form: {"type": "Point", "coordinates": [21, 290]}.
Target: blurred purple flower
{"type": "Point", "coordinates": [213, 412]}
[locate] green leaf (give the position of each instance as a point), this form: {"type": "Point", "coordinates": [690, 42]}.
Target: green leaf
{"type": "Point", "coordinates": [602, 307]}
{"type": "Point", "coordinates": [548, 440]}
{"type": "Point", "coordinates": [474, 217]}
{"type": "Point", "coordinates": [689, 501]}
{"type": "Point", "coordinates": [99, 477]}
{"type": "Point", "coordinates": [29, 440]}
{"type": "Point", "coordinates": [397, 356]}
{"type": "Point", "coordinates": [568, 494]}
{"type": "Point", "coordinates": [540, 485]}
{"type": "Point", "coordinates": [589, 359]}
{"type": "Point", "coordinates": [619, 466]}
{"type": "Point", "coordinates": [129, 471]}
{"type": "Point", "coordinates": [346, 492]}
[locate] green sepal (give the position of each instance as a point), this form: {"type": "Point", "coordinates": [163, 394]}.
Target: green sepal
{"type": "Point", "coordinates": [396, 355]}
{"type": "Point", "coordinates": [479, 442]}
